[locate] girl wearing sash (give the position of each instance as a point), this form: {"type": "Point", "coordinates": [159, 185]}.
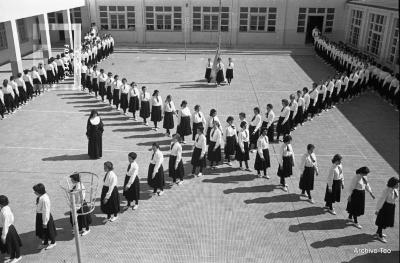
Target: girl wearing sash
{"type": "Point", "coordinates": [133, 100]}
{"type": "Point", "coordinates": [110, 203]}
{"type": "Point", "coordinates": [10, 241]}
{"type": "Point", "coordinates": [144, 105]}
{"type": "Point", "coordinates": [229, 71]}
{"type": "Point", "coordinates": [214, 148]}
{"type": "Point", "coordinates": [286, 161]}
{"type": "Point", "coordinates": [175, 165]}
{"type": "Point", "coordinates": [209, 66]}
{"type": "Point", "coordinates": [116, 87]}
{"type": "Point", "coordinates": [102, 84]}
{"type": "Point", "coordinates": [109, 90]}
{"type": "Point", "coordinates": [220, 72]}
{"type": "Point", "coordinates": [242, 151]}
{"type": "Point", "coordinates": [283, 122]}
{"type": "Point", "coordinates": [156, 108]}
{"type": "Point", "coordinates": [335, 183]}
{"type": "Point", "coordinates": [230, 140]}
{"type": "Point", "coordinates": [254, 128]}
{"type": "Point", "coordinates": [210, 123]}
{"type": "Point", "coordinates": [310, 168]}
{"type": "Point", "coordinates": [155, 176]}
{"type": "Point", "coordinates": [169, 112]}
{"type": "Point", "coordinates": [198, 120]}
{"type": "Point", "coordinates": [262, 162]}
{"type": "Point", "coordinates": [199, 151]}
{"type": "Point", "coordinates": [124, 95]}
{"type": "Point", "coordinates": [184, 115]}
{"type": "Point", "coordinates": [132, 183]}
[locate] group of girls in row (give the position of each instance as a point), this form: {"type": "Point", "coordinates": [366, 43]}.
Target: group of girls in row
{"type": "Point", "coordinates": [361, 69]}
{"type": "Point", "coordinates": [219, 71]}
{"type": "Point", "coordinates": [96, 48]}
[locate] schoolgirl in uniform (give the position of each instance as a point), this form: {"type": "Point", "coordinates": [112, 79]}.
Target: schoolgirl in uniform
{"type": "Point", "coordinates": [183, 127]}
{"type": "Point", "coordinates": [175, 164]}
{"type": "Point", "coordinates": [313, 108]}
{"type": "Point", "coordinates": [84, 69]}
{"type": "Point", "coordinates": [300, 108]}
{"type": "Point", "coordinates": [242, 117]}
{"type": "Point", "coordinates": [132, 183]}
{"type": "Point", "coordinates": [116, 87]}
{"type": "Point", "coordinates": [14, 86]}
{"type": "Point", "coordinates": [335, 183]}
{"type": "Point", "coordinates": [329, 93]}
{"type": "Point", "coordinates": [356, 200]}
{"type": "Point", "coordinates": [336, 91]}
{"type": "Point", "coordinates": [60, 68]}
{"type": "Point", "coordinates": [220, 72]}
{"type": "Point", "coordinates": [262, 162]}
{"type": "Point", "coordinates": [345, 85]}
{"type": "Point", "coordinates": [56, 75]}
{"type": "Point", "coordinates": [209, 66]}
{"type": "Point", "coordinates": [307, 104]}
{"type": "Point", "coordinates": [156, 108]}
{"type": "Point", "coordinates": [124, 95]}
{"type": "Point", "coordinates": [102, 84]}
{"type": "Point", "coordinates": [268, 122]}
{"type": "Point", "coordinates": [230, 140]}
{"type": "Point", "coordinates": [43, 76]}
{"type": "Point", "coordinates": [10, 241]}
{"type": "Point", "coordinates": [50, 73]}
{"type": "Point", "coordinates": [283, 122]}
{"type": "Point", "coordinates": [8, 97]}
{"type": "Point", "coordinates": [286, 161]}
{"type": "Point", "coordinates": [169, 112]}
{"type": "Point", "coordinates": [293, 112]}
{"type": "Point", "coordinates": [198, 120]}
{"type": "Point", "coordinates": [134, 100]}
{"type": "Point", "coordinates": [229, 71]}
{"type": "Point", "coordinates": [214, 147]}
{"type": "Point", "coordinates": [199, 152]}
{"type": "Point", "coordinates": [37, 82]}
{"type": "Point", "coordinates": [78, 189]}
{"type": "Point", "coordinates": [309, 168]}
{"type": "Point", "coordinates": [95, 83]}
{"type": "Point", "coordinates": [45, 227]}
{"type": "Point", "coordinates": [21, 89]}
{"type": "Point", "coordinates": [210, 123]}
{"type": "Point", "coordinates": [353, 78]}
{"type": "Point", "coordinates": [155, 177]}
{"type": "Point", "coordinates": [254, 128]}
{"type": "Point", "coordinates": [110, 203]}
{"type": "Point", "coordinates": [321, 97]}
{"type": "Point", "coordinates": [2, 104]}
{"type": "Point", "coordinates": [386, 206]}
{"type": "Point", "coordinates": [144, 105]}
{"type": "Point", "coordinates": [242, 151]}
{"type": "Point", "coordinates": [109, 89]}
{"type": "Point", "coordinates": [88, 81]}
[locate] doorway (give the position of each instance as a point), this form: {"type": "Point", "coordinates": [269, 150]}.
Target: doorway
{"type": "Point", "coordinates": [313, 21]}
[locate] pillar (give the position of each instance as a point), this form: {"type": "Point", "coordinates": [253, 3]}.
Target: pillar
{"type": "Point", "coordinates": [13, 46]}
{"type": "Point", "coordinates": [45, 36]}
{"type": "Point", "coordinates": [67, 28]}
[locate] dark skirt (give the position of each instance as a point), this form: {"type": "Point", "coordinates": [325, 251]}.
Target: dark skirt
{"type": "Point", "coordinates": [385, 216]}
{"type": "Point", "coordinates": [229, 73]}
{"type": "Point", "coordinates": [124, 101]}
{"type": "Point", "coordinates": [240, 156]}
{"type": "Point", "coordinates": [112, 206]}
{"type": "Point", "coordinates": [260, 164]}
{"type": "Point", "coordinates": [2, 108]}
{"type": "Point", "coordinates": [208, 134]}
{"type": "Point", "coordinates": [253, 137]}
{"type": "Point", "coordinates": [116, 97]}
{"type": "Point", "coordinates": [133, 104]}
{"type": "Point", "coordinates": [307, 179]}
{"type": "Point", "coordinates": [175, 173]}
{"type": "Point", "coordinates": [29, 88]}
{"type": "Point", "coordinates": [311, 108]}
{"type": "Point", "coordinates": [13, 241]}
{"type": "Point", "coordinates": [95, 86]}
{"type": "Point", "coordinates": [102, 88]}
{"type": "Point", "coordinates": [84, 221]}
{"type": "Point", "coordinates": [95, 147]}
{"type": "Point", "coordinates": [158, 181]}
{"type": "Point", "coordinates": [43, 79]}
{"type": "Point", "coordinates": [356, 203]}
{"type": "Point", "coordinates": [50, 76]}
{"type": "Point", "coordinates": [88, 82]}
{"type": "Point", "coordinates": [156, 114]}
{"type": "Point", "coordinates": [320, 102]}
{"type": "Point", "coordinates": [286, 169]}
{"type": "Point", "coordinates": [168, 120]}
{"type": "Point", "coordinates": [36, 82]}
{"type": "Point", "coordinates": [50, 232]}
{"type": "Point", "coordinates": [133, 193]}
{"type": "Point", "coordinates": [184, 128]}
{"type": "Point", "coordinates": [22, 94]}
{"type": "Point", "coordinates": [109, 93]}
{"type": "Point", "coordinates": [334, 196]}
{"type": "Point", "coordinates": [207, 75]}
{"type": "Point", "coordinates": [220, 76]}
{"type": "Point", "coordinates": [144, 109]}
{"type": "Point", "coordinates": [214, 156]}
{"type": "Point", "coordinates": [230, 146]}
{"type": "Point", "coordinates": [300, 115]}
{"type": "Point", "coordinates": [8, 101]}
{"type": "Point", "coordinates": [196, 161]}
{"type": "Point", "coordinates": [194, 129]}
{"type": "Point", "coordinates": [283, 128]}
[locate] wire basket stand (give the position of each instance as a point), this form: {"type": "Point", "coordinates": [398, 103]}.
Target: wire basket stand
{"type": "Point", "coordinates": [81, 199]}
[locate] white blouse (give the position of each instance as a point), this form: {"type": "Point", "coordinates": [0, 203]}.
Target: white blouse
{"type": "Point", "coordinates": [201, 143]}
{"type": "Point", "coordinates": [309, 160]}
{"type": "Point", "coordinates": [103, 77]}
{"type": "Point", "coordinates": [176, 150]}
{"type": "Point", "coordinates": [243, 137]}
{"type": "Point", "coordinates": [262, 144]}
{"type": "Point", "coordinates": [230, 131]}
{"type": "Point", "coordinates": [389, 195]}
{"type": "Point", "coordinates": [230, 65]}
{"type": "Point", "coordinates": [210, 121]}
{"type": "Point", "coordinates": [358, 182]}
{"type": "Point", "coordinates": [216, 136]}
{"type": "Point", "coordinates": [6, 220]}
{"type": "Point", "coordinates": [198, 117]}
{"type": "Point", "coordinates": [285, 113]}
{"type": "Point", "coordinates": [134, 92]}
{"type": "Point", "coordinates": [306, 100]}
{"type": "Point", "coordinates": [169, 106]}
{"type": "Point", "coordinates": [156, 101]}
{"type": "Point", "coordinates": [145, 96]}
{"type": "Point", "coordinates": [132, 173]}
{"type": "Point", "coordinates": [125, 88]}
{"type": "Point", "coordinates": [43, 207]}
{"type": "Point", "coordinates": [111, 182]}
{"type": "Point", "coordinates": [256, 121]}
{"type": "Point", "coordinates": [209, 65]}
{"type": "Point", "coordinates": [79, 195]}
{"type": "Point", "coordinates": [157, 159]}
{"type": "Point", "coordinates": [284, 151]}
{"type": "Point", "coordinates": [300, 102]}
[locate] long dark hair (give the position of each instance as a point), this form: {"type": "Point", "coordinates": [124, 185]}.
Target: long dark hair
{"type": "Point", "coordinates": [93, 114]}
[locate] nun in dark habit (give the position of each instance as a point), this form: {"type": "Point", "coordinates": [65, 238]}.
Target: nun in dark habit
{"type": "Point", "coordinates": [94, 133]}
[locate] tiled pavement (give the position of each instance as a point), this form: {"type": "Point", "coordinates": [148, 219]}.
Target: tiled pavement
{"type": "Point", "coordinates": [226, 216]}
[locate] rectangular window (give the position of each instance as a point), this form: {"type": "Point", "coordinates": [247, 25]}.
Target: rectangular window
{"type": "Point", "coordinates": [329, 20]}
{"type": "Point", "coordinates": [301, 20]}
{"type": "Point", "coordinates": [355, 27]}
{"type": "Point", "coordinates": [164, 18]}
{"type": "Point", "coordinates": [257, 19]}
{"type": "Point", "coordinates": [76, 15]}
{"type": "Point", "coordinates": [206, 18]}
{"type": "Point", "coordinates": [23, 37]}
{"type": "Point", "coordinates": [393, 57]}
{"type": "Point", "coordinates": [51, 17]}
{"type": "Point", "coordinates": [3, 37]}
{"type": "Point", "coordinates": [375, 34]}
{"type": "Point", "coordinates": [117, 17]}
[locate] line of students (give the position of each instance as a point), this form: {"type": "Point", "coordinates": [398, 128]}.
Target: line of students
{"type": "Point", "coordinates": [219, 68]}
{"type": "Point", "coordinates": [361, 70]}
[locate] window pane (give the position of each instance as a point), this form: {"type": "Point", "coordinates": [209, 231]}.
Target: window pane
{"type": "Point", "coordinates": [253, 10]}
{"type": "Point", "coordinates": [112, 8]}
{"type": "Point", "coordinates": [329, 23]}
{"type": "Point", "coordinates": [331, 10]}
{"type": "Point", "coordinates": [225, 9]}
{"type": "Point", "coordinates": [271, 22]}
{"type": "Point", "coordinates": [121, 8]}
{"type": "Point", "coordinates": [224, 15]}
{"type": "Point", "coordinates": [167, 8]}
{"type": "Point", "coordinates": [329, 17]}
{"type": "Point", "coordinates": [273, 9]}
{"type": "Point", "coordinates": [215, 9]}
{"type": "Point", "coordinates": [159, 9]}
{"type": "Point", "coordinates": [300, 29]}
{"type": "Point", "coordinates": [243, 28]}
{"type": "Point", "coordinates": [264, 10]}
{"type": "Point", "coordinates": [303, 10]}
{"type": "Point", "coordinates": [149, 8]}
{"type": "Point", "coordinates": [196, 28]}
{"type": "Point", "coordinates": [244, 9]}
{"type": "Point", "coordinates": [177, 15]}
{"type": "Point", "coordinates": [272, 16]}
{"type": "Point", "coordinates": [224, 28]}
{"type": "Point", "coordinates": [271, 29]}
{"type": "Point", "coordinates": [130, 8]}
{"type": "Point", "coordinates": [196, 9]}
{"type": "Point", "coordinates": [103, 20]}
{"type": "Point", "coordinates": [196, 15]}
{"type": "Point", "coordinates": [302, 16]}
{"type": "Point", "coordinates": [206, 9]}
{"type": "Point", "coordinates": [321, 10]}
{"type": "Point", "coordinates": [243, 16]}
{"type": "Point", "coordinates": [312, 10]}
{"type": "Point", "coordinates": [101, 8]}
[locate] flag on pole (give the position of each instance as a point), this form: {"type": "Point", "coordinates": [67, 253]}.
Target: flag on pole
{"type": "Point", "coordinates": [214, 68]}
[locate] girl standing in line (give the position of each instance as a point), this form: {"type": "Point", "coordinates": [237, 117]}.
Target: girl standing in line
{"type": "Point", "coordinates": [155, 177]}
{"type": "Point", "coordinates": [313, 101]}
{"type": "Point", "coordinates": [335, 183]}
{"type": "Point", "coordinates": [84, 69]}
{"type": "Point", "coordinates": [183, 128]}
{"type": "Point", "coordinates": [37, 82]}
{"type": "Point", "coordinates": [286, 161]}
{"type": "Point", "coordinates": [229, 71]}
{"type": "Point", "coordinates": [45, 228]}
{"type": "Point", "coordinates": [2, 105]}
{"type": "Point", "coordinates": [95, 83]}
{"type": "Point", "coordinates": [110, 203]}
{"type": "Point", "coordinates": [293, 112]}
{"type": "Point", "coordinates": [356, 201]}
{"type": "Point", "coordinates": [307, 104]}
{"type": "Point", "coordinates": [145, 105]}
{"type": "Point", "coordinates": [21, 89]}
{"type": "Point", "coordinates": [262, 162]}
{"type": "Point", "coordinates": [230, 140]}
{"type": "Point", "coordinates": [242, 152]}
{"type": "Point", "coordinates": [102, 84]}
{"type": "Point", "coordinates": [132, 182]}
{"type": "Point", "coordinates": [133, 100]}
{"type": "Point", "coordinates": [169, 112]}
{"type": "Point", "coordinates": [309, 167]}
{"type": "Point", "coordinates": [214, 148]}
{"type": "Point", "coordinates": [43, 76]}
{"type": "Point", "coordinates": [220, 72]}
{"type": "Point", "coordinates": [109, 88]}
{"type": "Point", "coordinates": [198, 120]}
{"type": "Point", "coordinates": [209, 66]}
{"type": "Point", "coordinates": [8, 97]}
{"type": "Point", "coordinates": [283, 122]}
{"type": "Point", "coordinates": [156, 108]}
{"type": "Point", "coordinates": [300, 108]}
{"type": "Point", "coordinates": [199, 151]}
{"type": "Point", "coordinates": [175, 165]}
{"type": "Point", "coordinates": [116, 87]}
{"type": "Point", "coordinates": [210, 124]}
{"type": "Point", "coordinates": [254, 128]}
{"type": "Point", "coordinates": [268, 122]}
{"type": "Point", "coordinates": [124, 95]}
{"type": "Point", "coordinates": [88, 81]}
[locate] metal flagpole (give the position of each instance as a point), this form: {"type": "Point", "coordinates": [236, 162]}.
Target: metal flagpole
{"type": "Point", "coordinates": [76, 229]}
{"type": "Point", "coordinates": [185, 33]}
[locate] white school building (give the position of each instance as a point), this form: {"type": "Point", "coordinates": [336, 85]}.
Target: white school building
{"type": "Point", "coordinates": [368, 25]}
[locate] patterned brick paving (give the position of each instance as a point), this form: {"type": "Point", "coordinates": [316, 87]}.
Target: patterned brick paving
{"type": "Point", "coordinates": [226, 216]}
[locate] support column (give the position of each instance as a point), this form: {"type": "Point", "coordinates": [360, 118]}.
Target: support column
{"type": "Point", "coordinates": [45, 37]}
{"type": "Point", "coordinates": [67, 28]}
{"type": "Point", "coordinates": [13, 46]}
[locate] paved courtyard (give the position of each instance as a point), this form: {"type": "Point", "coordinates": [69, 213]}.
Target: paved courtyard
{"type": "Point", "coordinates": [226, 216]}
